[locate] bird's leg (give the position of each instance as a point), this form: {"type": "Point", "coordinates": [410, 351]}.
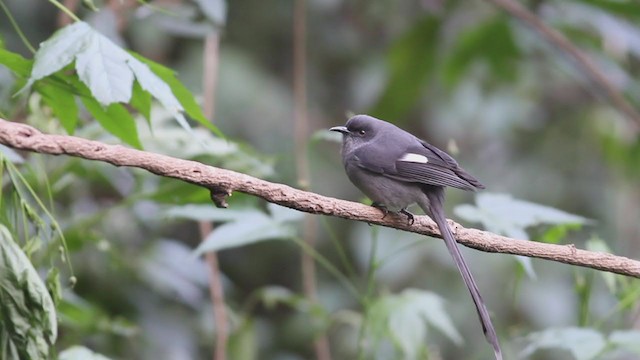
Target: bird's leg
{"type": "Point", "coordinates": [386, 212]}
{"type": "Point", "coordinates": [382, 208]}
{"type": "Point", "coordinates": [409, 216]}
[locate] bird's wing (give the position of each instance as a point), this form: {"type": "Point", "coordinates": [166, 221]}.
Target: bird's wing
{"type": "Point", "coordinates": [422, 163]}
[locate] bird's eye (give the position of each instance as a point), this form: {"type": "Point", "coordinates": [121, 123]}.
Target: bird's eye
{"type": "Point", "coordinates": [362, 132]}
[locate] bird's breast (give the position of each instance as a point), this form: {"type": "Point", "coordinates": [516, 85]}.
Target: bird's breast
{"type": "Point", "coordinates": [394, 194]}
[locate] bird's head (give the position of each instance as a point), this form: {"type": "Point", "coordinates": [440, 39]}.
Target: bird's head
{"type": "Point", "coordinates": [359, 129]}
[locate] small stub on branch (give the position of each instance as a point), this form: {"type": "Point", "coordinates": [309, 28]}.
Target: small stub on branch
{"type": "Point", "coordinates": [219, 196]}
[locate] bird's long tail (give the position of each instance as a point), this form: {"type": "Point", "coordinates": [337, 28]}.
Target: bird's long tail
{"type": "Point", "coordinates": [435, 209]}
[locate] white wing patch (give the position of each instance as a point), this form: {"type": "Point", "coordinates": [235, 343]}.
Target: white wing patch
{"type": "Point", "coordinates": [415, 158]}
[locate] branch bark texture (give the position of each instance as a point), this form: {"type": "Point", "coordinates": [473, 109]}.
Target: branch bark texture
{"type": "Point", "coordinates": [221, 181]}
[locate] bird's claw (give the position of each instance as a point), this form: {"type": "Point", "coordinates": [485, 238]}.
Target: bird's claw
{"type": "Point", "coordinates": [382, 208]}
{"type": "Point", "coordinates": [409, 216]}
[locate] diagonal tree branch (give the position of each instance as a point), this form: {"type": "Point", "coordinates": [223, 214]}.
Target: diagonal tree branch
{"type": "Point", "coordinates": [223, 182]}
{"type": "Point", "coordinates": [583, 61]}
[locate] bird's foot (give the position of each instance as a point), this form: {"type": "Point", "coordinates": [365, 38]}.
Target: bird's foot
{"type": "Point", "coordinates": [409, 216]}
{"type": "Point", "coordinates": [382, 208]}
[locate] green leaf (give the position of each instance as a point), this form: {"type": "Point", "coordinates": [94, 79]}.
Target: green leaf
{"type": "Point", "coordinates": [184, 96]}
{"type": "Point", "coordinates": [141, 101]}
{"type": "Point", "coordinates": [252, 228]}
{"type": "Point", "coordinates": [492, 42]}
{"type": "Point", "coordinates": [625, 155]}
{"type": "Point", "coordinates": [15, 62]}
{"type": "Point", "coordinates": [104, 67]}
{"type": "Point", "coordinates": [89, 4]}
{"type": "Point", "coordinates": [116, 120]}
{"type": "Point", "coordinates": [28, 325]}
{"type": "Point", "coordinates": [72, 82]}
{"type": "Point", "coordinates": [63, 104]}
{"type": "Point", "coordinates": [284, 214]}
{"type": "Point", "coordinates": [171, 269]}
{"type": "Point", "coordinates": [53, 285]}
{"type": "Point", "coordinates": [200, 144]}
{"type": "Point", "coordinates": [80, 353]}
{"type": "Point", "coordinates": [557, 233]}
{"type": "Point", "coordinates": [100, 64]}
{"type": "Point", "coordinates": [86, 317]}
{"type": "Point", "coordinates": [430, 307]}
{"type": "Point", "coordinates": [625, 9]}
{"type": "Point", "coordinates": [160, 90]}
{"type": "Point", "coordinates": [504, 215]}
{"type": "Point", "coordinates": [209, 213]}
{"type": "Point", "coordinates": [411, 60]}
{"type": "Point", "coordinates": [273, 296]}
{"type": "Point", "coordinates": [404, 319]}
{"type": "Point", "coordinates": [582, 343]}
{"type": "Point", "coordinates": [243, 341]}
{"type": "Point", "coordinates": [109, 71]}
{"type": "Point", "coordinates": [60, 50]}
{"type": "Point", "coordinates": [626, 339]}
{"type": "Point", "coordinates": [178, 192]}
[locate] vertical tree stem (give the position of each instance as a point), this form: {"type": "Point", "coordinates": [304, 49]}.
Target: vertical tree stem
{"type": "Point", "coordinates": [301, 134]}
{"type": "Point", "coordinates": [210, 65]}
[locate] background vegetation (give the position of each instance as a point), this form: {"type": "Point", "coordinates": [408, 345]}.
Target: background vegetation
{"type": "Point", "coordinates": [516, 111]}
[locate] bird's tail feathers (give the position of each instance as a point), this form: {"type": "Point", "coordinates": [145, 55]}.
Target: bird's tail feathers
{"type": "Point", "coordinates": [435, 209]}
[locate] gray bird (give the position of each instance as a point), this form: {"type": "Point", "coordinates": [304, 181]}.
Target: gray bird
{"type": "Point", "coordinates": [396, 169]}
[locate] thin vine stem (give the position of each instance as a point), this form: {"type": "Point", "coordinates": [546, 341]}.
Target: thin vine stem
{"type": "Point", "coordinates": [342, 254]}
{"type": "Point", "coordinates": [18, 181]}
{"type": "Point", "coordinates": [370, 287]}
{"type": "Point", "coordinates": [329, 267]}
{"type": "Point", "coordinates": [64, 10]}
{"type": "Point", "coordinates": [16, 27]}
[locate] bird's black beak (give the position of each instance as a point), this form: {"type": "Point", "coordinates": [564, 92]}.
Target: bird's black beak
{"type": "Point", "coordinates": [340, 129]}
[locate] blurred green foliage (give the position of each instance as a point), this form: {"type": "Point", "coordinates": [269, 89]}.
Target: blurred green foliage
{"type": "Point", "coordinates": [113, 249]}
{"type": "Point", "coordinates": [410, 61]}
